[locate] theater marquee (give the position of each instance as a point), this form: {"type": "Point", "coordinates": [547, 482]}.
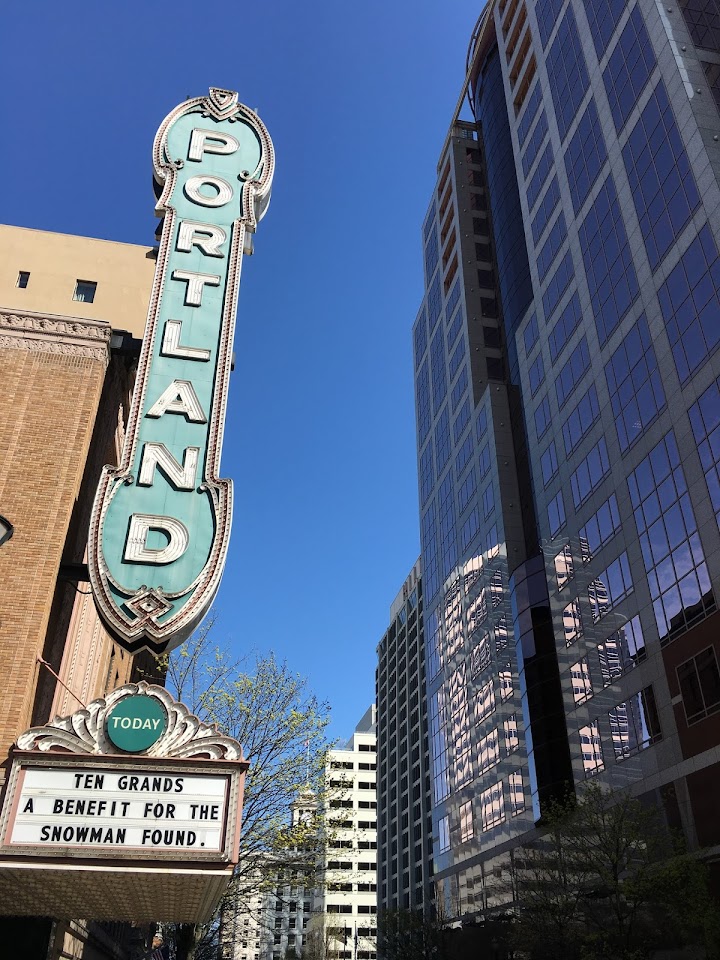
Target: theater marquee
{"type": "Point", "coordinates": [144, 833]}
{"type": "Point", "coordinates": [161, 520]}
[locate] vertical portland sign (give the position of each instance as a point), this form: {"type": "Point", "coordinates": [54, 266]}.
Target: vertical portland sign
{"type": "Point", "coordinates": [161, 520]}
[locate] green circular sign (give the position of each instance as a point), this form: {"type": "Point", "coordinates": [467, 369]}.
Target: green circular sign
{"type": "Point", "coordinates": [136, 723]}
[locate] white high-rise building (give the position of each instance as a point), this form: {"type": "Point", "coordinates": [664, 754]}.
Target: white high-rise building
{"type": "Point", "coordinates": [335, 919]}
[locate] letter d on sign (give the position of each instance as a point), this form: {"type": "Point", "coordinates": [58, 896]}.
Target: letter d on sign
{"type": "Point", "coordinates": [136, 548]}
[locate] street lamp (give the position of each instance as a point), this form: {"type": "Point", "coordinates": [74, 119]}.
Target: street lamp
{"type": "Point", "coordinates": [6, 530]}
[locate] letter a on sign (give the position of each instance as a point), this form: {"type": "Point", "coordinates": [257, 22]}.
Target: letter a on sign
{"type": "Point", "coordinates": [158, 537]}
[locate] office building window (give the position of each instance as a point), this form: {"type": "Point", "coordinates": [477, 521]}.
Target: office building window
{"type": "Point", "coordinates": [466, 822]}
{"type": "Point", "coordinates": [23, 278]}
{"type": "Point", "coordinates": [635, 724]}
{"type": "Point", "coordinates": [572, 372]}
{"type": "Point", "coordinates": [599, 529]}
{"type": "Point", "coordinates": [510, 732]}
{"type": "Point", "coordinates": [423, 402]}
{"type": "Point", "coordinates": [461, 421]}
{"type": "Point", "coordinates": [610, 587]}
{"type": "Point", "coordinates": [703, 21]}
{"type": "Point", "coordinates": [572, 622]}
{"type": "Point", "coordinates": [442, 441]}
{"type": "Point", "coordinates": [581, 683]}
{"type": "Point", "coordinates": [545, 209]}
{"type": "Point", "coordinates": [492, 806]}
{"type": "Point", "coordinates": [437, 366]}
{"type": "Point", "coordinates": [427, 476]}
{"type": "Point", "coordinates": [567, 72]}
{"type": "Point", "coordinates": [526, 121]}
{"type": "Point", "coordinates": [558, 284]}
{"type": "Point", "coordinates": [705, 420]}
{"type": "Point", "coordinates": [580, 419]}
{"type": "Point", "coordinates": [603, 16]}
{"type": "Point", "coordinates": [690, 304]}
{"type": "Point", "coordinates": [467, 490]}
{"type": "Point", "coordinates": [455, 328]}
{"type": "Point", "coordinates": [488, 752]}
{"type": "Point", "coordinates": [629, 68]}
{"type": "Point", "coordinates": [516, 793]}
{"type": "Point", "coordinates": [549, 463]}
{"type": "Point", "coordinates": [547, 12]}
{"type": "Point", "coordinates": [420, 337]}
{"type": "Point", "coordinates": [434, 302]}
{"type": "Point", "coordinates": [531, 334]}
{"type": "Point", "coordinates": [484, 702]}
{"type": "Point", "coordinates": [699, 681]}
{"type": "Point", "coordinates": [85, 291]}
{"type": "Point", "coordinates": [506, 682]}
{"type": "Point", "coordinates": [556, 513]}
{"type": "Point", "coordinates": [564, 567]}
{"type": "Point", "coordinates": [590, 473]}
{"type": "Point", "coordinates": [533, 148]}
{"type": "Point", "coordinates": [431, 255]}
{"type": "Point", "coordinates": [458, 391]}
{"type": "Point", "coordinates": [464, 455]}
{"type": "Point", "coordinates": [634, 384]}
{"type": "Point", "coordinates": [591, 749]}
{"type": "Point", "coordinates": [585, 155]}
{"type": "Point", "coordinates": [672, 552]}
{"type": "Point", "coordinates": [542, 417]}
{"type": "Point", "coordinates": [661, 180]}
{"type": "Point", "coordinates": [565, 326]}
{"type": "Point", "coordinates": [608, 262]}
{"type": "Point", "coordinates": [621, 651]}
{"type": "Point", "coordinates": [551, 247]}
{"type": "Point", "coordinates": [543, 168]}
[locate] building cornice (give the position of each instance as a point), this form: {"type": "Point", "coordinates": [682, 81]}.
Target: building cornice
{"type": "Point", "coordinates": [47, 333]}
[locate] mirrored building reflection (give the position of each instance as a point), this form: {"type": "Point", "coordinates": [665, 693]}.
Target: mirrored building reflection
{"type": "Point", "coordinates": [567, 385]}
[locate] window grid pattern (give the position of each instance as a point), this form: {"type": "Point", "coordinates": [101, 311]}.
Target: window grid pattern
{"type": "Point", "coordinates": [556, 513]}
{"type": "Point", "coordinates": [442, 441]}
{"type": "Point", "coordinates": [545, 165]}
{"type": "Point", "coordinates": [603, 16]}
{"type": "Point", "coordinates": [634, 384]}
{"type": "Point", "coordinates": [492, 806]}
{"type": "Point", "coordinates": [420, 337]}
{"type": "Point", "coordinates": [565, 327]}
{"type": "Point", "coordinates": [534, 144]}
{"type": "Point", "coordinates": [550, 248]}
{"type": "Point", "coordinates": [434, 303]}
{"type": "Point", "coordinates": [629, 68]}
{"type": "Point", "coordinates": [621, 651]}
{"type": "Point", "coordinates": [634, 725]}
{"type": "Point", "coordinates": [458, 391]}
{"type": "Point", "coordinates": [567, 72]}
{"type": "Point", "coordinates": [531, 334]}
{"type": "Point", "coordinates": [585, 155]}
{"type": "Point", "coordinates": [542, 417]}
{"type": "Point", "coordinates": [672, 553]}
{"type": "Point", "coordinates": [610, 587]}
{"type": "Point", "coordinates": [590, 473]}
{"type": "Point", "coordinates": [431, 255]}
{"type": "Point", "coordinates": [558, 284]}
{"type": "Point", "coordinates": [446, 517]}
{"type": "Point", "coordinates": [427, 474]}
{"type": "Point", "coordinates": [545, 209]}
{"type": "Point", "coordinates": [705, 420]}
{"type": "Point", "coordinates": [454, 328]}
{"type": "Point", "coordinates": [690, 304]}
{"type": "Point", "coordinates": [572, 622]}
{"type": "Point", "coordinates": [547, 13]}
{"type": "Point", "coordinates": [536, 374]}
{"type": "Point", "coordinates": [699, 681]}
{"type": "Point", "coordinates": [526, 121]}
{"type": "Point", "coordinates": [591, 749]}
{"type": "Point", "coordinates": [461, 421]}
{"type": "Point", "coordinates": [581, 419]}
{"type": "Point", "coordinates": [423, 403]}
{"type": "Point", "coordinates": [572, 372]}
{"type": "Point", "coordinates": [661, 179]}
{"type": "Point", "coordinates": [581, 683]}
{"type": "Point", "coordinates": [608, 261]}
{"type": "Point", "coordinates": [437, 367]}
{"type": "Point", "coordinates": [600, 528]}
{"type": "Point", "coordinates": [703, 22]}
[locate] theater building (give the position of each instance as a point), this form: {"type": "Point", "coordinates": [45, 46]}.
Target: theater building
{"type": "Point", "coordinates": [72, 314]}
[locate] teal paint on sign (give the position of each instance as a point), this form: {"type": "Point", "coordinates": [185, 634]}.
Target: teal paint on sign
{"type": "Point", "coordinates": [136, 723]}
{"type": "Point", "coordinates": [161, 520]}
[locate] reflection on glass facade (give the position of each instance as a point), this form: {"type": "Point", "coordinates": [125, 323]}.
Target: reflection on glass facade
{"type": "Point", "coordinates": [568, 416]}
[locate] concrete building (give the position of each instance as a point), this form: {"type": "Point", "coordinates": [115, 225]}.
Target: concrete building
{"type": "Point", "coordinates": [72, 313]}
{"type": "Point", "coordinates": [405, 849]}
{"type": "Point", "coordinates": [334, 917]}
{"type": "Point", "coordinates": [567, 414]}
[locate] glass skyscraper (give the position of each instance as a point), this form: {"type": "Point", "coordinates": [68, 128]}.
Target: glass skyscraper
{"type": "Point", "coordinates": [568, 421]}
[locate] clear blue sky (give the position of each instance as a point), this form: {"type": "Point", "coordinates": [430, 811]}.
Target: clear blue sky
{"type": "Point", "coordinates": [320, 437]}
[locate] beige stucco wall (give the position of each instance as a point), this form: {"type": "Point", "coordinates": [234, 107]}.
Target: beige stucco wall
{"type": "Point", "coordinates": [123, 273]}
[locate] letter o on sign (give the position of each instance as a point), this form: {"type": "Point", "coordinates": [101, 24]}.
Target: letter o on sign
{"type": "Point", "coordinates": [136, 723]}
{"type": "Point", "coordinates": [222, 191]}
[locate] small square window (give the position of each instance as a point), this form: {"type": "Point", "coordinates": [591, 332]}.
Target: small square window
{"type": "Point", "coordinates": [85, 291]}
{"type": "Point", "coordinates": [23, 278]}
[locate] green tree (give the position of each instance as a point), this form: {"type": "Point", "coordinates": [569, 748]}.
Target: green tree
{"type": "Point", "coordinates": [607, 881]}
{"type": "Point", "coordinates": [281, 726]}
{"type": "Point", "coordinates": [410, 935]}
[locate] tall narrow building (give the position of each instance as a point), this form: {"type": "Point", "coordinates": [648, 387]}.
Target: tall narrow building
{"type": "Point", "coordinates": [568, 403]}
{"type": "Point", "coordinates": [404, 830]}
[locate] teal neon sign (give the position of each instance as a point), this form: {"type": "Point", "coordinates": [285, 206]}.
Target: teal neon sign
{"type": "Point", "coordinates": [161, 520]}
